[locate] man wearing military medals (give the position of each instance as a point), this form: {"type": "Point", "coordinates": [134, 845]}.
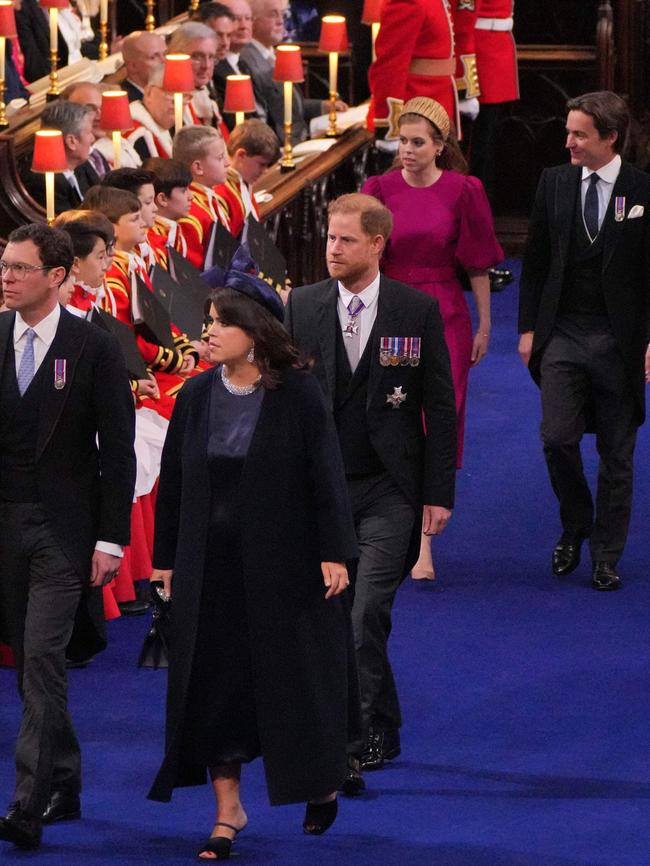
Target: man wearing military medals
{"type": "Point", "coordinates": [381, 359]}
{"type": "Point", "coordinates": [67, 473]}
{"type": "Point", "coordinates": [585, 328]}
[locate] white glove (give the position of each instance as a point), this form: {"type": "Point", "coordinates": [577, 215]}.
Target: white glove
{"type": "Point", "coordinates": [469, 107]}
{"type": "Point", "coordinates": [387, 146]}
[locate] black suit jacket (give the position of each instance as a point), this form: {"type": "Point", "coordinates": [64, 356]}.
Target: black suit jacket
{"type": "Point", "coordinates": [133, 91]}
{"type": "Point", "coordinates": [420, 459]}
{"type": "Point", "coordinates": [86, 485]}
{"type": "Point", "coordinates": [65, 196]}
{"type": "Point", "coordinates": [626, 265]}
{"type": "Point", "coordinates": [34, 37]}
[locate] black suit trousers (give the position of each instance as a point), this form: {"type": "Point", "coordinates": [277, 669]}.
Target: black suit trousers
{"type": "Point", "coordinates": [583, 379]}
{"type": "Point", "coordinates": [43, 590]}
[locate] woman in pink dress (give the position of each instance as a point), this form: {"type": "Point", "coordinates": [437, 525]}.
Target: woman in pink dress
{"type": "Point", "coordinates": [442, 223]}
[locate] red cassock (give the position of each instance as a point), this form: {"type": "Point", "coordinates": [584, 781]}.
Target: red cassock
{"type": "Point", "coordinates": [167, 233]}
{"type": "Point", "coordinates": [415, 57]}
{"type": "Point", "coordinates": [163, 362]}
{"type": "Point", "coordinates": [206, 210]}
{"type": "Point", "coordinates": [464, 14]}
{"type": "Point", "coordinates": [496, 52]}
{"type": "Point", "coordinates": [236, 203]}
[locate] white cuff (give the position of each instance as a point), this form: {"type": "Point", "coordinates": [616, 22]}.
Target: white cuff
{"type": "Point", "coordinates": [109, 547]}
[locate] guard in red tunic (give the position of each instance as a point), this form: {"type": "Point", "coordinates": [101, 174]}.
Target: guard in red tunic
{"type": "Point", "coordinates": [496, 52]}
{"type": "Point", "coordinates": [496, 58]}
{"type": "Point", "coordinates": [464, 14]}
{"type": "Point", "coordinates": [415, 57]}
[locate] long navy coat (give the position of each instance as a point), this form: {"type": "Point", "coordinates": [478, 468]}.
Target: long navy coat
{"type": "Point", "coordinates": [294, 514]}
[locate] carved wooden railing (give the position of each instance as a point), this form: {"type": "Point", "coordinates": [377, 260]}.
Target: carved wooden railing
{"type": "Point", "coordinates": [296, 216]}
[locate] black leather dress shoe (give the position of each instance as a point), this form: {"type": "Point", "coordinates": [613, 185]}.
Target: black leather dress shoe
{"type": "Point", "coordinates": [372, 756]}
{"type": "Point", "coordinates": [566, 554]}
{"type": "Point", "coordinates": [353, 783]}
{"type": "Point", "coordinates": [604, 576]}
{"type": "Point", "coordinates": [138, 607]}
{"type": "Point", "coordinates": [380, 746]}
{"type": "Point", "coordinates": [63, 806]}
{"type": "Point", "coordinates": [21, 828]}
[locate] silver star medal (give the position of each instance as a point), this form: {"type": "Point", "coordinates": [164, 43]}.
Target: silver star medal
{"type": "Point", "coordinates": [396, 398]}
{"type": "Point", "coordinates": [351, 327]}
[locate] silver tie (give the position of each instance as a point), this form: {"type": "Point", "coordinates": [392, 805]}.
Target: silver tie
{"type": "Point", "coordinates": [27, 363]}
{"type": "Point", "coordinates": [351, 334]}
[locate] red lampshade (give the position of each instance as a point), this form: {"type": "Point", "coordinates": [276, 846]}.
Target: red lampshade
{"type": "Point", "coordinates": [115, 113]}
{"type": "Point", "coordinates": [179, 77]}
{"type": "Point", "coordinates": [288, 63]}
{"type": "Point", "coordinates": [7, 19]}
{"type": "Point", "coordinates": [372, 11]}
{"type": "Point", "coordinates": [49, 152]}
{"type": "Point", "coordinates": [333, 34]}
{"type": "Point", "coordinates": [54, 4]}
{"type": "Point", "coordinates": [239, 94]}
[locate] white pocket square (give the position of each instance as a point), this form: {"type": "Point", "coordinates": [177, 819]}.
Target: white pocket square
{"type": "Point", "coordinates": [636, 211]}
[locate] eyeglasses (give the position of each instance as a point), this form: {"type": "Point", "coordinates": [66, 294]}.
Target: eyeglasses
{"type": "Point", "coordinates": [21, 270]}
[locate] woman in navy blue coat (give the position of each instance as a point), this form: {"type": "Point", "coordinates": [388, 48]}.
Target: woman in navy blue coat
{"type": "Point", "coordinates": [253, 530]}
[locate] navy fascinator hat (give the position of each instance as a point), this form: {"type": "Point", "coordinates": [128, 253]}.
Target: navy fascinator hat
{"type": "Point", "coordinates": [242, 276]}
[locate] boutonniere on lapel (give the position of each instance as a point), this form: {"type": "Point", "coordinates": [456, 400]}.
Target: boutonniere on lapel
{"type": "Point", "coordinates": [399, 350]}
{"type": "Point", "coordinates": [59, 373]}
{"type": "Point", "coordinates": [619, 208]}
{"type": "Point", "coordinates": [396, 398]}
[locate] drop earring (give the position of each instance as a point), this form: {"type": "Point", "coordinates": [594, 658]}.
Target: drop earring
{"type": "Point", "coordinates": [251, 355]}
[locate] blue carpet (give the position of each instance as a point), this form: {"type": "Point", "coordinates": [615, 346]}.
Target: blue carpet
{"type": "Point", "coordinates": [526, 699]}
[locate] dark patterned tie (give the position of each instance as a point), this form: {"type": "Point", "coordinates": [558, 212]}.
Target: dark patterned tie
{"type": "Point", "coordinates": [591, 207]}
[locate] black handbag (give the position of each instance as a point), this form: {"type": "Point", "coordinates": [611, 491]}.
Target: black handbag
{"type": "Point", "coordinates": [155, 649]}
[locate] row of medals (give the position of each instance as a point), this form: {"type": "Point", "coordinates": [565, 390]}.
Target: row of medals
{"type": "Point", "coordinates": [409, 357]}
{"type": "Point", "coordinates": [387, 360]}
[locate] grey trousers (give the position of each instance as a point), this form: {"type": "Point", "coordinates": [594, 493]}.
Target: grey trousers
{"type": "Point", "coordinates": [384, 523]}
{"type": "Point", "coordinates": [40, 590]}
{"type": "Point", "coordinates": [582, 370]}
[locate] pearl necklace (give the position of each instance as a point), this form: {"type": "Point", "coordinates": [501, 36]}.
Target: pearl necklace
{"type": "Point", "coordinates": [239, 390]}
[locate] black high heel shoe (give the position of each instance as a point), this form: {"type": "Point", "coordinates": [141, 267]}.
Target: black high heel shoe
{"type": "Point", "coordinates": [218, 845]}
{"type": "Point", "coordinates": [319, 817]}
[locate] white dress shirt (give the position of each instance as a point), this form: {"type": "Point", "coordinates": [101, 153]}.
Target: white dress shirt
{"type": "Point", "coordinates": [71, 177]}
{"type": "Point", "coordinates": [233, 60]}
{"type": "Point", "coordinates": [607, 178]}
{"type": "Point", "coordinates": [365, 318]}
{"type": "Point", "coordinates": [267, 53]}
{"type": "Point", "coordinates": [45, 332]}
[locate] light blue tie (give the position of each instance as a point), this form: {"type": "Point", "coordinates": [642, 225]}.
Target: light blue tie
{"type": "Point", "coordinates": [26, 370]}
